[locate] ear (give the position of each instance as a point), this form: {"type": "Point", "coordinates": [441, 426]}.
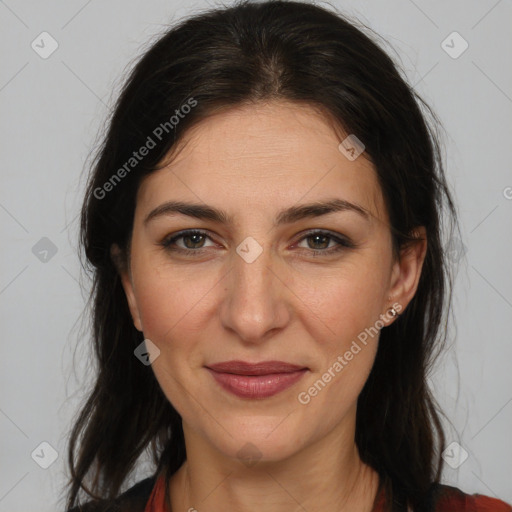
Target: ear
{"type": "Point", "coordinates": [126, 280]}
{"type": "Point", "coordinates": [406, 272]}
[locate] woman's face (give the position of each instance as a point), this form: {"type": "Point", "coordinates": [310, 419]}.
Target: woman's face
{"type": "Point", "coordinates": [259, 283]}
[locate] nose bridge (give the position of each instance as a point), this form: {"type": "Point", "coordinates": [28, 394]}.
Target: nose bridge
{"type": "Point", "coordinates": [252, 305]}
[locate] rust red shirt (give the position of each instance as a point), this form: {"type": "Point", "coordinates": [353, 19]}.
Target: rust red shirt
{"type": "Point", "coordinates": [450, 499]}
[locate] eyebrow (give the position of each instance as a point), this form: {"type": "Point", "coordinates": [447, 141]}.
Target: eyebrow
{"type": "Point", "coordinates": [287, 216]}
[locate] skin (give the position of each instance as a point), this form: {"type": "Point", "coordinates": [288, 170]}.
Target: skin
{"type": "Point", "coordinates": [287, 305]}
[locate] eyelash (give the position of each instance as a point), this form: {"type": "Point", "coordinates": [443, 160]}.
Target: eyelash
{"type": "Point", "coordinates": [343, 243]}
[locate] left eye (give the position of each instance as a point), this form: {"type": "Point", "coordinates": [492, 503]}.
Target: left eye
{"type": "Point", "coordinates": [320, 238]}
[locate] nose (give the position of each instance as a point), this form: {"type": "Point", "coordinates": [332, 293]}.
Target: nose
{"type": "Point", "coordinates": [255, 304]}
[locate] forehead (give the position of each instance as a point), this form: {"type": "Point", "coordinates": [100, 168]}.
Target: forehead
{"type": "Point", "coordinates": [265, 155]}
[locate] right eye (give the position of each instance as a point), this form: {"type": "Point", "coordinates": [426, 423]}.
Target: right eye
{"type": "Point", "coordinates": [195, 236]}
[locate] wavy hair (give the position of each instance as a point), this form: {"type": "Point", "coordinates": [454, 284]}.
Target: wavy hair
{"type": "Point", "coordinates": [231, 56]}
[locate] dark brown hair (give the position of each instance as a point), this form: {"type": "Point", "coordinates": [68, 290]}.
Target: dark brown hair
{"type": "Point", "coordinates": [228, 57]}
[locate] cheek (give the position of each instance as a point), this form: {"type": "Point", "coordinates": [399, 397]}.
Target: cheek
{"type": "Point", "coordinates": [346, 347]}
{"type": "Point", "coordinates": [342, 313]}
{"type": "Point", "coordinates": [343, 302]}
{"type": "Point", "coordinates": [171, 305]}
{"type": "Point", "coordinates": [170, 300]}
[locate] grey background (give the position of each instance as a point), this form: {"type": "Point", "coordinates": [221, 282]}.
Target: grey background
{"type": "Point", "coordinates": [52, 110]}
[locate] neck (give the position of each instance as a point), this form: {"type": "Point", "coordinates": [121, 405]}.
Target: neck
{"type": "Point", "coordinates": [317, 478]}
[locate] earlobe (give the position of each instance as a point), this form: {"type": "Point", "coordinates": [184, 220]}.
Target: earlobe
{"type": "Point", "coordinates": [407, 271]}
{"type": "Point", "coordinates": [124, 274]}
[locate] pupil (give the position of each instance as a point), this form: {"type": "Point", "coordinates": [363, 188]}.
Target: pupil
{"type": "Point", "coordinates": [316, 237]}
{"type": "Point", "coordinates": [194, 236]}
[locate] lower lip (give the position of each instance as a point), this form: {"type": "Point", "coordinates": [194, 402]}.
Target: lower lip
{"type": "Point", "coordinates": [256, 386]}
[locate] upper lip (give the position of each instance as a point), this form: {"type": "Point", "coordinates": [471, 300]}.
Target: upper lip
{"type": "Point", "coordinates": [262, 368]}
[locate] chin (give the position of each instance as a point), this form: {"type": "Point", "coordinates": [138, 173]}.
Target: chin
{"type": "Point", "coordinates": [258, 440]}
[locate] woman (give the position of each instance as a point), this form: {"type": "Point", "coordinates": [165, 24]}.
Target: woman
{"type": "Point", "coordinates": [264, 227]}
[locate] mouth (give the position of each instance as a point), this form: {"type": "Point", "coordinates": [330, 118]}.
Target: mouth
{"type": "Point", "coordinates": [256, 380]}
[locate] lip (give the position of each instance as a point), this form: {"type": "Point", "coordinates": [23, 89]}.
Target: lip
{"type": "Point", "coordinates": [256, 380]}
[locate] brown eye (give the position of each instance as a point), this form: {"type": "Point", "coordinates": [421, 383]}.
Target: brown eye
{"type": "Point", "coordinates": [322, 240]}
{"type": "Point", "coordinates": [318, 242]}
{"type": "Point", "coordinates": [193, 241]}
